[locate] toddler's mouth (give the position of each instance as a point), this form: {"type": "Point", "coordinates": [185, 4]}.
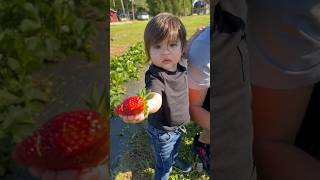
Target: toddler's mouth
{"type": "Point", "coordinates": [166, 61]}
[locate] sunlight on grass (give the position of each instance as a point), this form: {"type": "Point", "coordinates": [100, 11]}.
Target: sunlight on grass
{"type": "Point", "coordinates": [124, 175]}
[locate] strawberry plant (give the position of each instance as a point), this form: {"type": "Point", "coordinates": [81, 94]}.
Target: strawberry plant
{"type": "Point", "coordinates": [33, 32]}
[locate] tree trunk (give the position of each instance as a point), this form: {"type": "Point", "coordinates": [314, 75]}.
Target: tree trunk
{"type": "Point", "coordinates": [184, 7]}
{"type": "Point", "coordinates": [191, 7]}
{"type": "Point", "coordinates": [123, 10]}
{"type": "Point", "coordinates": [114, 5]}
{"type": "Point", "coordinates": [132, 6]}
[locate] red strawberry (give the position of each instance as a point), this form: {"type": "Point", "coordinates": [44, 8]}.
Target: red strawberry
{"type": "Point", "coordinates": [70, 140]}
{"type": "Point", "coordinates": [77, 139]}
{"type": "Point", "coordinates": [134, 105]}
{"type": "Point", "coordinates": [119, 110]}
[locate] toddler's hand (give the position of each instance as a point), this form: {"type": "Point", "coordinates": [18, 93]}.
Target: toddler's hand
{"type": "Point", "coordinates": [133, 118]}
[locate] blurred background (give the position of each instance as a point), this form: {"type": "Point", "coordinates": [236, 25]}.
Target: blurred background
{"type": "Point", "coordinates": [51, 54]}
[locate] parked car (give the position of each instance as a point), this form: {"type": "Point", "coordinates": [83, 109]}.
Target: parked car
{"type": "Point", "coordinates": [123, 17]}
{"type": "Point", "coordinates": [143, 16]}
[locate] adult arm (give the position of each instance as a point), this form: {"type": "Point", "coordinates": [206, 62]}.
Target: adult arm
{"type": "Point", "coordinates": [277, 116]}
{"type": "Point", "coordinates": [198, 114]}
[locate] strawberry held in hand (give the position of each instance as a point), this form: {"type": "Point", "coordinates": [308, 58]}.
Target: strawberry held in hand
{"type": "Point", "coordinates": [131, 106]}
{"type": "Point", "coordinates": [134, 105]}
{"type": "Point", "coordinates": [70, 140]}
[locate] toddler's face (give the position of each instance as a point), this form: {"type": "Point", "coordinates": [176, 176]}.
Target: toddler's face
{"type": "Point", "coordinates": [166, 54]}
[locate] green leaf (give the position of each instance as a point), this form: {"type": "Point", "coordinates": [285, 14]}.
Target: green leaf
{"type": "Point", "coordinates": [13, 115]}
{"type": "Point", "coordinates": [7, 98]}
{"type": "Point", "coordinates": [33, 42]}
{"type": "Point", "coordinates": [13, 64]}
{"type": "Point", "coordinates": [52, 44]}
{"type": "Point", "coordinates": [29, 7]}
{"type": "Point", "coordinates": [32, 62]}
{"type": "Point", "coordinates": [65, 28]}
{"type": "Point", "coordinates": [2, 134]}
{"type": "Point", "coordinates": [35, 106]}
{"type": "Point", "coordinates": [2, 170]}
{"type": "Point", "coordinates": [21, 131]}
{"type": "Point", "coordinates": [79, 25]}
{"type": "Point", "coordinates": [34, 94]}
{"type": "Point", "coordinates": [2, 34]}
{"type": "Point", "coordinates": [28, 25]}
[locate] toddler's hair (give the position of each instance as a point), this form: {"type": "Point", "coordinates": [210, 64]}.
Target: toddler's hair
{"type": "Point", "coordinates": [162, 26]}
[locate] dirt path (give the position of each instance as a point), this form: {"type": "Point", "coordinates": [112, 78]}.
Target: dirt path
{"type": "Point", "coordinates": [121, 132]}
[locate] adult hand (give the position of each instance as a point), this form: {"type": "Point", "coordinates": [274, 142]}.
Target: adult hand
{"type": "Point", "coordinates": [95, 173]}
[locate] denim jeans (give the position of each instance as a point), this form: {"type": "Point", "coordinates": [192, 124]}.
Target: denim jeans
{"type": "Point", "coordinates": [165, 149]}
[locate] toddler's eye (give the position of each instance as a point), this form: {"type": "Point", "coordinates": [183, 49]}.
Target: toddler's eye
{"type": "Point", "coordinates": [173, 44]}
{"type": "Point", "coordinates": [157, 46]}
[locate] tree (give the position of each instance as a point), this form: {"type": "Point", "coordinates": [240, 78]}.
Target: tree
{"type": "Point", "coordinates": [141, 5]}
{"type": "Point", "coordinates": [122, 6]}
{"type": "Point", "coordinates": [172, 6]}
{"type": "Point", "coordinates": [154, 6]}
{"type": "Point", "coordinates": [167, 6]}
{"type": "Point", "coordinates": [132, 6]}
{"type": "Point", "coordinates": [114, 4]}
{"type": "Point", "coordinates": [185, 6]}
{"type": "Point", "coordinates": [175, 7]}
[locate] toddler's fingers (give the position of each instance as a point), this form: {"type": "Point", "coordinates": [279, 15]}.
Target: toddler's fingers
{"type": "Point", "coordinates": [139, 118]}
{"type": "Point", "coordinates": [124, 118]}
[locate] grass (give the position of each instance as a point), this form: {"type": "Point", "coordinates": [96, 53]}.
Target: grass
{"type": "Point", "coordinates": [123, 36]}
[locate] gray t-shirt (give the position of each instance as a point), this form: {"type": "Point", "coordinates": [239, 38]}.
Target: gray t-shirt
{"type": "Point", "coordinates": [173, 88]}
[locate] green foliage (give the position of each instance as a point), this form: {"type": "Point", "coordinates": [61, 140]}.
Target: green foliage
{"type": "Point", "coordinates": [33, 32]}
{"type": "Point", "coordinates": [171, 6]}
{"type": "Point", "coordinates": [187, 6]}
{"type": "Point", "coordinates": [124, 68]}
{"type": "Point", "coordinates": [175, 6]}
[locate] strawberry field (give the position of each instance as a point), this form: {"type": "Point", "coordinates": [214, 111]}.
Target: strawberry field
{"type": "Point", "coordinates": [127, 65]}
{"type": "Point", "coordinates": [34, 35]}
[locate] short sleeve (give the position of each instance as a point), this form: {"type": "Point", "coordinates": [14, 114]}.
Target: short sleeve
{"type": "Point", "coordinates": [154, 83]}
{"type": "Point", "coordinates": [199, 62]}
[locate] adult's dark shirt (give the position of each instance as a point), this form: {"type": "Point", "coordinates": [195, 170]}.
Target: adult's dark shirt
{"type": "Point", "coordinates": [231, 123]}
